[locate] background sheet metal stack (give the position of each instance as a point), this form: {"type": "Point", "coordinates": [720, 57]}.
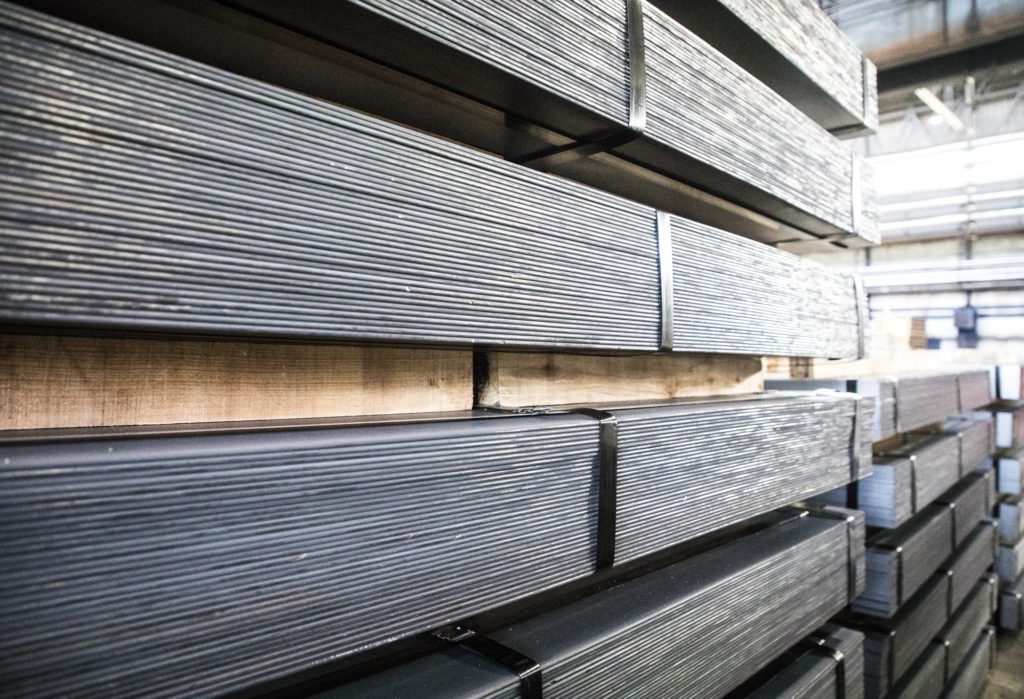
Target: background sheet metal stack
{"type": "Point", "coordinates": [925, 400]}
{"type": "Point", "coordinates": [1009, 419]}
{"type": "Point", "coordinates": [794, 49]}
{"type": "Point", "coordinates": [653, 634]}
{"type": "Point", "coordinates": [976, 440]}
{"type": "Point", "coordinates": [827, 663]}
{"type": "Point", "coordinates": [609, 75]}
{"type": "Point", "coordinates": [357, 239]}
{"type": "Point", "coordinates": [1008, 472]}
{"type": "Point", "coordinates": [305, 523]}
{"type": "Point", "coordinates": [970, 679]}
{"type": "Point", "coordinates": [974, 389]}
{"type": "Point", "coordinates": [1011, 607]}
{"type": "Point", "coordinates": [1010, 563]}
{"type": "Point", "coordinates": [959, 634]}
{"type": "Point", "coordinates": [881, 389]}
{"type": "Point", "coordinates": [1007, 380]}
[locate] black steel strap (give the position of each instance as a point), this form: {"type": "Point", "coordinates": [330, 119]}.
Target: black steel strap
{"type": "Point", "coordinates": [952, 533]}
{"type": "Point", "coordinates": [526, 668]}
{"type": "Point", "coordinates": [607, 494]}
{"type": "Point", "coordinates": [666, 278]}
{"type": "Point", "coordinates": [553, 156]}
{"type": "Point", "coordinates": [913, 483]}
{"type": "Point", "coordinates": [819, 643]}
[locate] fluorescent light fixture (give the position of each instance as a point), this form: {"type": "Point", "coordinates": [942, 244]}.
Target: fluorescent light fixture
{"type": "Point", "coordinates": [937, 106]}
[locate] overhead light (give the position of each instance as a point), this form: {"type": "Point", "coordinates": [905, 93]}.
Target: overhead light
{"type": "Point", "coordinates": [935, 119]}
{"type": "Point", "coordinates": [940, 108]}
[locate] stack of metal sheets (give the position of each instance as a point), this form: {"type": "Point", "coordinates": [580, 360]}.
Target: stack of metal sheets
{"type": "Point", "coordinates": [976, 440]}
{"type": "Point", "coordinates": [969, 620]}
{"type": "Point", "coordinates": [899, 561]}
{"type": "Point", "coordinates": [617, 76]}
{"type": "Point", "coordinates": [664, 633]}
{"type": "Point", "coordinates": [903, 482]}
{"type": "Point", "coordinates": [1008, 472]}
{"type": "Point", "coordinates": [925, 400]}
{"type": "Point", "coordinates": [925, 678]}
{"type": "Point", "coordinates": [828, 663]}
{"type": "Point", "coordinates": [439, 519]}
{"type": "Point", "coordinates": [1011, 606]}
{"type": "Point", "coordinates": [1010, 562]}
{"type": "Point", "coordinates": [1008, 513]}
{"type": "Point", "coordinates": [893, 645]}
{"type": "Point", "coordinates": [793, 48]}
{"type": "Point", "coordinates": [969, 681]}
{"type": "Point", "coordinates": [1007, 381]}
{"type": "Point", "coordinates": [974, 389]}
{"type": "Point", "coordinates": [1009, 426]}
{"type": "Point", "coordinates": [881, 389]}
{"type": "Point", "coordinates": [376, 233]}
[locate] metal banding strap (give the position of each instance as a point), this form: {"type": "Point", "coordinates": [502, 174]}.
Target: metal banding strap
{"type": "Point", "coordinates": [860, 307]}
{"type": "Point", "coordinates": [855, 437]}
{"type": "Point", "coordinates": [818, 643]}
{"type": "Point", "coordinates": [946, 674]}
{"type": "Point", "coordinates": [865, 90]}
{"type": "Point", "coordinates": [952, 533]}
{"type": "Point", "coordinates": [913, 483]}
{"type": "Point", "coordinates": [607, 495]}
{"type": "Point", "coordinates": [851, 561]}
{"type": "Point", "coordinates": [948, 572]}
{"type": "Point", "coordinates": [664, 228]}
{"type": "Point", "coordinates": [551, 157]}
{"type": "Point", "coordinates": [855, 196]}
{"type": "Point", "coordinates": [527, 669]}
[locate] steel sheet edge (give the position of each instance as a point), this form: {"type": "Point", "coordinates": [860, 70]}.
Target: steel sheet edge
{"type": "Point", "coordinates": [144, 192]}
{"type": "Point", "coordinates": [179, 564]}
{"type": "Point", "coordinates": [664, 633]}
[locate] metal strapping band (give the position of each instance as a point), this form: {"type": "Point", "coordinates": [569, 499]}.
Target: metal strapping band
{"type": "Point", "coordinates": [526, 668]}
{"type": "Point", "coordinates": [820, 644]}
{"type": "Point", "coordinates": [551, 157]}
{"type": "Point", "coordinates": [665, 274]}
{"type": "Point", "coordinates": [607, 495]}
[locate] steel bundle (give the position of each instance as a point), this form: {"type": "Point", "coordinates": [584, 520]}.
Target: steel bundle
{"type": "Point", "coordinates": [439, 519]}
{"type": "Point", "coordinates": [655, 634]}
{"type": "Point", "coordinates": [882, 390]}
{"type": "Point", "coordinates": [1010, 561]}
{"type": "Point", "coordinates": [976, 440]}
{"type": "Point", "coordinates": [970, 679]}
{"type": "Point", "coordinates": [145, 192]}
{"type": "Point", "coordinates": [828, 663]}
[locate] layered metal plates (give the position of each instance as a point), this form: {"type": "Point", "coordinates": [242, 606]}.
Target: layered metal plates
{"type": "Point", "coordinates": [1010, 561]}
{"type": "Point", "coordinates": [974, 389]}
{"type": "Point", "coordinates": [882, 390]}
{"type": "Point", "coordinates": [796, 50]}
{"type": "Point", "coordinates": [828, 663]}
{"type": "Point", "coordinates": [1011, 607]}
{"type": "Point", "coordinates": [1008, 472]}
{"type": "Point", "coordinates": [967, 622]}
{"type": "Point", "coordinates": [926, 677]}
{"type": "Point", "coordinates": [664, 633]}
{"type": "Point", "coordinates": [368, 532]}
{"type": "Point", "coordinates": [1011, 523]}
{"type": "Point", "coordinates": [969, 681]}
{"type": "Point", "coordinates": [976, 440]}
{"type": "Point", "coordinates": [144, 192]}
{"type": "Point", "coordinates": [971, 561]}
{"type": "Point", "coordinates": [925, 400]}
{"type": "Point", "coordinates": [1007, 381]}
{"type": "Point", "coordinates": [1009, 421]}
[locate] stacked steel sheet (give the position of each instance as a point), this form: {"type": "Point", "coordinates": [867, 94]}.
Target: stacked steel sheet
{"type": "Point", "coordinates": [974, 389]}
{"type": "Point", "coordinates": [899, 561]}
{"type": "Point", "coordinates": [1008, 472]}
{"type": "Point", "coordinates": [976, 440]}
{"type": "Point", "coordinates": [1011, 606]}
{"type": "Point", "coordinates": [969, 681]}
{"type": "Point", "coordinates": [904, 481]}
{"type": "Point", "coordinates": [828, 663]}
{"type": "Point", "coordinates": [1009, 429]}
{"type": "Point", "coordinates": [925, 400]}
{"type": "Point", "coordinates": [969, 620]}
{"type": "Point", "coordinates": [613, 76]}
{"type": "Point", "coordinates": [796, 50]}
{"type": "Point", "coordinates": [663, 633]}
{"type": "Point", "coordinates": [1008, 513]}
{"type": "Point", "coordinates": [1010, 562]}
{"type": "Point", "coordinates": [367, 531]}
{"type": "Point", "coordinates": [893, 646]}
{"type": "Point", "coordinates": [144, 192]}
{"type": "Point", "coordinates": [881, 389]}
{"type": "Point", "coordinates": [925, 678]}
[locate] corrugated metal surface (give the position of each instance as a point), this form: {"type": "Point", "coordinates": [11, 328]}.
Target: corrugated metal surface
{"type": "Point", "coordinates": [663, 633]}
{"type": "Point", "coordinates": [147, 192]}
{"type": "Point", "coordinates": [814, 672]}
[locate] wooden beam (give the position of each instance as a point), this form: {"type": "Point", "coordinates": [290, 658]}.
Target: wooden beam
{"type": "Point", "coordinates": [511, 380]}
{"type": "Point", "coordinates": [48, 382]}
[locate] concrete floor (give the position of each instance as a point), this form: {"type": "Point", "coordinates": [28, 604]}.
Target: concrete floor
{"type": "Point", "coordinates": [1006, 681]}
